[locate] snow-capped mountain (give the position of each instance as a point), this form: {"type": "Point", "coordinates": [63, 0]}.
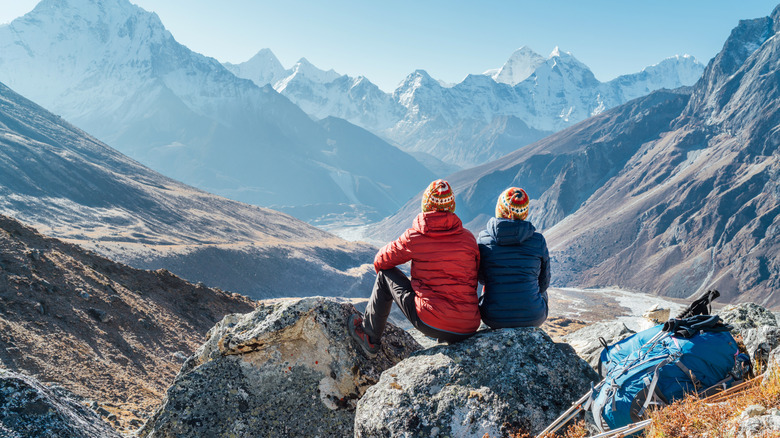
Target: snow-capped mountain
{"type": "Point", "coordinates": [462, 124]}
{"type": "Point", "coordinates": [481, 118]}
{"type": "Point", "coordinates": [114, 70]}
{"type": "Point", "coordinates": [522, 64]}
{"type": "Point", "coordinates": [322, 93]}
{"type": "Point", "coordinates": [262, 69]}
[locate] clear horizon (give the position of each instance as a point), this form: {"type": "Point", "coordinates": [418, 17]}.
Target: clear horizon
{"type": "Point", "coordinates": [385, 41]}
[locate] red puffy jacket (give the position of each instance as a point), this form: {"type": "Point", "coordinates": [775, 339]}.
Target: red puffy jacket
{"type": "Point", "coordinates": [445, 260]}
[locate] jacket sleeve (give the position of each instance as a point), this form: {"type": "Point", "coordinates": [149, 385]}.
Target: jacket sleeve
{"type": "Point", "coordinates": [480, 268]}
{"type": "Point", "coordinates": [394, 253]}
{"type": "Point", "coordinates": [544, 273]}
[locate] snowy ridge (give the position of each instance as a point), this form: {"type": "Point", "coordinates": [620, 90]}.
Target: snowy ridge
{"type": "Point", "coordinates": [484, 116]}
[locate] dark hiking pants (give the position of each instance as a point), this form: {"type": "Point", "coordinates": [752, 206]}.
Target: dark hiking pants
{"type": "Point", "coordinates": [393, 285]}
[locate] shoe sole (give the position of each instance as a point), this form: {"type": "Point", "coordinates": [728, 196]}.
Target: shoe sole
{"type": "Point", "coordinates": [351, 329]}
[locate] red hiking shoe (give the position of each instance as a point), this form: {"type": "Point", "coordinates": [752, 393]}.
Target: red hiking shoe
{"type": "Point", "coordinates": [355, 327]}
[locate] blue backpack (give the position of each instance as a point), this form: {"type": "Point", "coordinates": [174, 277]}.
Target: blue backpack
{"type": "Point", "coordinates": [662, 364]}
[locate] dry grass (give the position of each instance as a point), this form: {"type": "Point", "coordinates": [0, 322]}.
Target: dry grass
{"type": "Point", "coordinates": [694, 417]}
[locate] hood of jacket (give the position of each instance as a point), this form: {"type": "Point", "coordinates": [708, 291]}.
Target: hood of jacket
{"type": "Point", "coordinates": [438, 222]}
{"type": "Point", "coordinates": [507, 231]}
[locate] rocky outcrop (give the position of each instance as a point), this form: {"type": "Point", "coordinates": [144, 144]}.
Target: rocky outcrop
{"type": "Point", "coordinates": [747, 316]}
{"type": "Point", "coordinates": [757, 421]}
{"type": "Point", "coordinates": [585, 341]}
{"type": "Point", "coordinates": [28, 409]}
{"type": "Point", "coordinates": [286, 369]}
{"type": "Point", "coordinates": [497, 383]}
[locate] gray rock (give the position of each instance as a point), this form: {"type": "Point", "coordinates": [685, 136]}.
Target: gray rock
{"type": "Point", "coordinates": [28, 409]}
{"type": "Point", "coordinates": [757, 426]}
{"type": "Point", "coordinates": [585, 341]}
{"type": "Point", "coordinates": [287, 369]}
{"type": "Point", "coordinates": [753, 337]}
{"type": "Point", "coordinates": [99, 315]}
{"type": "Point", "coordinates": [746, 316]}
{"type": "Point", "coordinates": [497, 382]}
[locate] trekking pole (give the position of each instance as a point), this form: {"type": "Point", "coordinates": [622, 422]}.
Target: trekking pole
{"type": "Point", "coordinates": [625, 430]}
{"type": "Point", "coordinates": [566, 416]}
{"type": "Point", "coordinates": [726, 394]}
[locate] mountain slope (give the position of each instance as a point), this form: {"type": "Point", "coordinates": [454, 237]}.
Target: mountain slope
{"type": "Point", "coordinates": [113, 69]}
{"type": "Point", "coordinates": [62, 308]}
{"type": "Point", "coordinates": [700, 207]}
{"type": "Point", "coordinates": [71, 186]}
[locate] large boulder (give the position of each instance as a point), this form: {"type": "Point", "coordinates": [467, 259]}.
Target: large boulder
{"type": "Point", "coordinates": [287, 369]}
{"type": "Point", "coordinates": [28, 409]}
{"type": "Point", "coordinates": [746, 316]}
{"type": "Point", "coordinates": [497, 383]}
{"type": "Point", "coordinates": [585, 341]}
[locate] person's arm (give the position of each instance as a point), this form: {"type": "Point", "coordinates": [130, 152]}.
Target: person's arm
{"type": "Point", "coordinates": [544, 273]}
{"type": "Point", "coordinates": [394, 253]}
{"type": "Point", "coordinates": [481, 269]}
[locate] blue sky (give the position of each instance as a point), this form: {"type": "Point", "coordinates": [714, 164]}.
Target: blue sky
{"type": "Point", "coordinates": [387, 40]}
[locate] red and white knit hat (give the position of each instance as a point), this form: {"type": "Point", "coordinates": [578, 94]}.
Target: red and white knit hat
{"type": "Point", "coordinates": [438, 197]}
{"type": "Point", "coordinates": [513, 204]}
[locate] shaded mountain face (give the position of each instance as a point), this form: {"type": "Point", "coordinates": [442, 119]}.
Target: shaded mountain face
{"type": "Point", "coordinates": [71, 186]}
{"type": "Point", "coordinates": [480, 119]}
{"type": "Point", "coordinates": [673, 194]}
{"type": "Point", "coordinates": [107, 332]}
{"type": "Point", "coordinates": [112, 69]}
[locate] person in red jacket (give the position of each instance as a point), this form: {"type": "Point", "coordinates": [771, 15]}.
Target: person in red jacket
{"type": "Point", "coordinates": [440, 300]}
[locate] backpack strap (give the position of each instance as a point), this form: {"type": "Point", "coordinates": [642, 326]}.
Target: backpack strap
{"type": "Point", "coordinates": [696, 382]}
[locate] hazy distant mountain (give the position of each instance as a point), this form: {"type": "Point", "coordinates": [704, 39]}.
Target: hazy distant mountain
{"type": "Point", "coordinates": [71, 186]}
{"type": "Point", "coordinates": [322, 93]}
{"type": "Point", "coordinates": [479, 119]}
{"type": "Point", "coordinates": [673, 193]}
{"type": "Point", "coordinates": [112, 69]}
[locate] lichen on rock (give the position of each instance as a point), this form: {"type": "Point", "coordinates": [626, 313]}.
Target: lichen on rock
{"type": "Point", "coordinates": [497, 383]}
{"type": "Point", "coordinates": [285, 369]}
{"type": "Point", "coordinates": [745, 316]}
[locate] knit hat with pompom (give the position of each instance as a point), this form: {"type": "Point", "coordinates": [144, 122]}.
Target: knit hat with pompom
{"type": "Point", "coordinates": [438, 197]}
{"type": "Point", "coordinates": [512, 204]}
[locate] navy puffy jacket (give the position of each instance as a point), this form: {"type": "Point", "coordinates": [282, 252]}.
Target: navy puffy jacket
{"type": "Point", "coordinates": [515, 269]}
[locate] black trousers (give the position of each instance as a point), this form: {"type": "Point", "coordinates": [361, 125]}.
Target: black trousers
{"type": "Point", "coordinates": [393, 285]}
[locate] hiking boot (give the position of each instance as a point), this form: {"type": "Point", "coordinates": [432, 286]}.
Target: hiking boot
{"type": "Point", "coordinates": [355, 327]}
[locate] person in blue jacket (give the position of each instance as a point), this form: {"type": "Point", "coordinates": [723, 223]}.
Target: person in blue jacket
{"type": "Point", "coordinates": [514, 266]}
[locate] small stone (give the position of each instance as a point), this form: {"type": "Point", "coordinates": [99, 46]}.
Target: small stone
{"type": "Point", "coordinates": [180, 356]}
{"type": "Point", "coordinates": [99, 315]}
{"type": "Point", "coordinates": [40, 308]}
{"type": "Point", "coordinates": [82, 293]}
{"type": "Point", "coordinates": [753, 411]}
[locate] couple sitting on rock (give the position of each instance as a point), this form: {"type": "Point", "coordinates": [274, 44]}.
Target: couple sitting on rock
{"type": "Point", "coordinates": [440, 300]}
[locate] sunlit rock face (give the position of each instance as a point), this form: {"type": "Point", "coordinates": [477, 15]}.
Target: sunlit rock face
{"type": "Point", "coordinates": [289, 369]}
